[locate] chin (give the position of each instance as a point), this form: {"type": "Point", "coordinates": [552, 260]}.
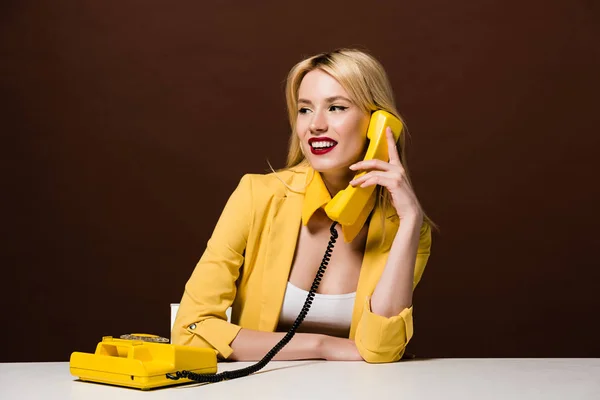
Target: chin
{"type": "Point", "coordinates": [328, 166]}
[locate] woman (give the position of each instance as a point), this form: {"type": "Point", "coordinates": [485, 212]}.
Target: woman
{"type": "Point", "coordinates": [270, 239]}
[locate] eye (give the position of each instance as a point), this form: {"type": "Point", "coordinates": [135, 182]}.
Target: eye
{"type": "Point", "coordinates": [303, 110]}
{"type": "Point", "coordinates": [337, 108]}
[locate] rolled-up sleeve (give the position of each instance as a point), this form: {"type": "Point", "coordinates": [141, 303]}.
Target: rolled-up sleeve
{"type": "Point", "coordinates": [201, 320]}
{"type": "Point", "coordinates": [208, 333]}
{"type": "Point", "coordinates": [381, 339]}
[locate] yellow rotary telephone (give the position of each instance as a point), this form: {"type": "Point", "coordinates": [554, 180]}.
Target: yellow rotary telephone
{"type": "Point", "coordinates": [140, 361]}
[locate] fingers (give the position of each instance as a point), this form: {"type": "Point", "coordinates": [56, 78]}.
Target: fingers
{"type": "Point", "coordinates": [371, 164]}
{"type": "Point", "coordinates": [392, 150]}
{"type": "Point", "coordinates": [376, 164]}
{"type": "Point", "coordinates": [380, 164]}
{"type": "Point", "coordinates": [387, 179]}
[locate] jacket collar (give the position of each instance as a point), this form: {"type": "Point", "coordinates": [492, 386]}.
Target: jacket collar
{"type": "Point", "coordinates": [317, 196]}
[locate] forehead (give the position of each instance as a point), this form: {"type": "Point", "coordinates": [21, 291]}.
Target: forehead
{"type": "Point", "coordinates": [318, 85]}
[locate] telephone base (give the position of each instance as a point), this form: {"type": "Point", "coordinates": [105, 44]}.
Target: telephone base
{"type": "Point", "coordinates": [132, 381]}
{"type": "Point", "coordinates": [139, 364]}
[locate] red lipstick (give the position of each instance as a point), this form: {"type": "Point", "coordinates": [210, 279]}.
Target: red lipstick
{"type": "Point", "coordinates": [321, 145]}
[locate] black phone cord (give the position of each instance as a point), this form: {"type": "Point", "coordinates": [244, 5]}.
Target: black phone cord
{"type": "Point", "coordinates": [226, 375]}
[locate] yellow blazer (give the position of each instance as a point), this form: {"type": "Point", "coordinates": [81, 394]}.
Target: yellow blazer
{"type": "Point", "coordinates": [248, 259]}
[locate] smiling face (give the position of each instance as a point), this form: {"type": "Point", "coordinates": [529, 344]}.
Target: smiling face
{"type": "Point", "coordinates": [331, 128]}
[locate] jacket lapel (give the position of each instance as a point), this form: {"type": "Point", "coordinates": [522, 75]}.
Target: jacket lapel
{"type": "Point", "coordinates": [284, 227]}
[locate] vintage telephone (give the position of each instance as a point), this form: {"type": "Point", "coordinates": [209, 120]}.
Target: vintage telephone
{"type": "Point", "coordinates": [147, 361]}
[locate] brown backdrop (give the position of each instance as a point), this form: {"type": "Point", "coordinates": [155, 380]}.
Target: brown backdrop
{"type": "Point", "coordinates": [126, 125]}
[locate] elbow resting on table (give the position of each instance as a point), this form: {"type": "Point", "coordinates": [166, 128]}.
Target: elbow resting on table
{"type": "Point", "coordinates": [380, 356]}
{"type": "Point", "coordinates": [382, 339]}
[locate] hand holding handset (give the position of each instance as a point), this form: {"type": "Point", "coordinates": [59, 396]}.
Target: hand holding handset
{"type": "Point", "coordinates": [349, 204]}
{"type": "Point", "coordinates": [143, 362]}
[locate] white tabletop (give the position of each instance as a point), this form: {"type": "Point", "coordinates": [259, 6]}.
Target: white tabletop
{"type": "Point", "coordinates": [447, 379]}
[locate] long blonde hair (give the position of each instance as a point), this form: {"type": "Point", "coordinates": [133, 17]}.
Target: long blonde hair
{"type": "Point", "coordinates": [368, 86]}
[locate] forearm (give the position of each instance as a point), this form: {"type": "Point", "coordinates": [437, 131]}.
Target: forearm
{"type": "Point", "coordinates": [394, 290]}
{"type": "Point", "coordinates": [252, 345]}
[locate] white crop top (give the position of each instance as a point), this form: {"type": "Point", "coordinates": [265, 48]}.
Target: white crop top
{"type": "Point", "coordinates": [329, 314]}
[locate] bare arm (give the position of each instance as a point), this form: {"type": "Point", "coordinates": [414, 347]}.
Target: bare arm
{"type": "Point", "coordinates": [394, 290]}
{"type": "Point", "coordinates": [252, 345]}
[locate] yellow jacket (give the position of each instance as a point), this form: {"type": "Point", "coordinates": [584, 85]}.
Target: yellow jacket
{"type": "Point", "coordinates": [248, 258]}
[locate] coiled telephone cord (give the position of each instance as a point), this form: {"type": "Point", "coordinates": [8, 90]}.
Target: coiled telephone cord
{"type": "Point", "coordinates": [226, 375]}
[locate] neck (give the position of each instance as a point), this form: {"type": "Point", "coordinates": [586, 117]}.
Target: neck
{"type": "Point", "coordinates": [336, 181]}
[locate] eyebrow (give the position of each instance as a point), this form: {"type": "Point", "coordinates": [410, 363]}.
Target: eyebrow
{"type": "Point", "coordinates": [328, 100]}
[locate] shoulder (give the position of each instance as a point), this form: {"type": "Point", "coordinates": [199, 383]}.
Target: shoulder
{"type": "Point", "coordinates": [275, 184]}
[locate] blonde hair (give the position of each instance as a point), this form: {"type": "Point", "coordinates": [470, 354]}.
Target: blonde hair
{"type": "Point", "coordinates": [367, 84]}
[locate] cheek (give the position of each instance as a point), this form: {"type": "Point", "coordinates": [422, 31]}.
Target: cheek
{"type": "Point", "coordinates": [301, 127]}
{"type": "Point", "coordinates": [353, 130]}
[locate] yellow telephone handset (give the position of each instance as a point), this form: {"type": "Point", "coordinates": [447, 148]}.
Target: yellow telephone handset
{"type": "Point", "coordinates": [348, 204]}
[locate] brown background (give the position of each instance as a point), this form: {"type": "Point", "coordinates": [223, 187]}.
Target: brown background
{"type": "Point", "coordinates": [126, 125]}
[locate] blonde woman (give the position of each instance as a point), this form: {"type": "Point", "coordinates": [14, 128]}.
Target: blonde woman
{"type": "Point", "coordinates": [270, 239]}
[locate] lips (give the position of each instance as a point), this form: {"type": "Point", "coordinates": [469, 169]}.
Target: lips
{"type": "Point", "coordinates": [321, 145]}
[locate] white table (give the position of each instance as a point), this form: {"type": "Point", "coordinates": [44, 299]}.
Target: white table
{"type": "Point", "coordinates": [564, 379]}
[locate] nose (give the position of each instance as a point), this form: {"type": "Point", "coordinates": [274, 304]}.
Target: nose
{"type": "Point", "coordinates": [318, 124]}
